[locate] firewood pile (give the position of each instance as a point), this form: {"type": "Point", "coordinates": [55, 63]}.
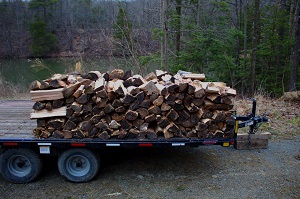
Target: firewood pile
{"type": "Point", "coordinates": [121, 105]}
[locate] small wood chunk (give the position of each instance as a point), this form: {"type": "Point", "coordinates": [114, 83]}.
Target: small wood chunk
{"type": "Point", "coordinates": [90, 88]}
{"type": "Point", "coordinates": [57, 104]}
{"type": "Point", "coordinates": [58, 134]}
{"type": "Point", "coordinates": [151, 134]}
{"type": "Point", "coordinates": [143, 112]}
{"type": "Point", "coordinates": [41, 122]}
{"type": "Point", "coordinates": [118, 117]}
{"type": "Point", "coordinates": [85, 125]}
{"type": "Point", "coordinates": [35, 85]}
{"type": "Point", "coordinates": [191, 122]}
{"type": "Point", "coordinates": [102, 126]}
{"type": "Point", "coordinates": [44, 85]}
{"type": "Point", "coordinates": [183, 86]}
{"type": "Point", "coordinates": [120, 109]}
{"type": "Point", "coordinates": [104, 135]}
{"type": "Point", "coordinates": [114, 125]}
{"type": "Point", "coordinates": [133, 90]}
{"type": "Point", "coordinates": [67, 134]}
{"type": "Point", "coordinates": [84, 98]}
{"type": "Point", "coordinates": [117, 103]}
{"type": "Point", "coordinates": [150, 118]}
{"type": "Point", "coordinates": [56, 123]}
{"type": "Point", "coordinates": [134, 105]}
{"type": "Point", "coordinates": [140, 97]}
{"type": "Point", "coordinates": [149, 88]}
{"type": "Point", "coordinates": [150, 76]}
{"type": "Point", "coordinates": [69, 125]}
{"type": "Point", "coordinates": [158, 101]}
{"type": "Point", "coordinates": [178, 105]}
{"type": "Point", "coordinates": [76, 107]}
{"type": "Point", "coordinates": [57, 83]}
{"type": "Point", "coordinates": [95, 75]}
{"type": "Point", "coordinates": [127, 75]}
{"type": "Point", "coordinates": [128, 99]}
{"type": "Point", "coordinates": [173, 88]}
{"type": "Point", "coordinates": [172, 115]}
{"type": "Point", "coordinates": [131, 115]}
{"type": "Point", "coordinates": [144, 127]}
{"type": "Point", "coordinates": [38, 106]}
{"type": "Point", "coordinates": [160, 73]}
{"type": "Point", "coordinates": [165, 107]}
{"type": "Point", "coordinates": [108, 108]}
{"type": "Point", "coordinates": [125, 124]}
{"type": "Point", "coordinates": [96, 118]}
{"type": "Point", "coordinates": [154, 110]}
{"type": "Point", "coordinates": [77, 133]}
{"type": "Point", "coordinates": [145, 104]}
{"type": "Point", "coordinates": [116, 74]}
{"type": "Point", "coordinates": [137, 123]}
{"type": "Point", "coordinates": [102, 94]}
{"type": "Point", "coordinates": [70, 90]}
{"type": "Point", "coordinates": [163, 123]}
{"type": "Point", "coordinates": [162, 89]}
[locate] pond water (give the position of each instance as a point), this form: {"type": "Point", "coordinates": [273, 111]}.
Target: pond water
{"type": "Point", "coordinates": [21, 72]}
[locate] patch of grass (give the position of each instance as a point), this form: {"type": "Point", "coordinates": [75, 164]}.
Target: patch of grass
{"type": "Point", "coordinates": [180, 188]}
{"type": "Point", "coordinates": [11, 91]}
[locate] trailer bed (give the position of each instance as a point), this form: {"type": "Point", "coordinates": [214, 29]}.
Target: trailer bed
{"type": "Point", "coordinates": [15, 119]}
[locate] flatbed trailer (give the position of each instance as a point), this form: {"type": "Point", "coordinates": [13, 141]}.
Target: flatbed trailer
{"type": "Point", "coordinates": [20, 159]}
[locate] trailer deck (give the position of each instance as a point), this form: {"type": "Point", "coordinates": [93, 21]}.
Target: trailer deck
{"type": "Point", "coordinates": [15, 119]}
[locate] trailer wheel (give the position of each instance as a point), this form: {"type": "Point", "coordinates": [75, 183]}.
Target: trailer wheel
{"type": "Point", "coordinates": [20, 165]}
{"type": "Point", "coordinates": [78, 165]}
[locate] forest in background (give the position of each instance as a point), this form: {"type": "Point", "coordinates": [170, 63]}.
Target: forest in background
{"type": "Point", "coordinates": [253, 45]}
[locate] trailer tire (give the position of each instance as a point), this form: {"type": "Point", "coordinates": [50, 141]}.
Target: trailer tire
{"type": "Point", "coordinates": [20, 165]}
{"type": "Point", "coordinates": [78, 165]}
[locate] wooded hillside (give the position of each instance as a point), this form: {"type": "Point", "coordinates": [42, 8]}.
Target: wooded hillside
{"type": "Point", "coordinates": [251, 44]}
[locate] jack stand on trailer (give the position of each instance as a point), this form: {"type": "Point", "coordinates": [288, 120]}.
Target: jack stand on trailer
{"type": "Point", "coordinates": [251, 140]}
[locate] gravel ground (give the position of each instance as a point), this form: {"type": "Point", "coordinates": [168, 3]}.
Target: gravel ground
{"type": "Point", "coordinates": [203, 172]}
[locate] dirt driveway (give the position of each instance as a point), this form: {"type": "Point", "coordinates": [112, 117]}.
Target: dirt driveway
{"type": "Point", "coordinates": [203, 172]}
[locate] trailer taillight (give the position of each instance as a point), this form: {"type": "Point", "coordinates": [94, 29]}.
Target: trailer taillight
{"type": "Point", "coordinates": [78, 144]}
{"type": "Point", "coordinates": [10, 144]}
{"type": "Point", "coordinates": [145, 144]}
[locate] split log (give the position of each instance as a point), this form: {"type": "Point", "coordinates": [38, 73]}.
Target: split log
{"type": "Point", "coordinates": [44, 113]}
{"type": "Point", "coordinates": [35, 85]}
{"type": "Point", "coordinates": [41, 95]}
{"type": "Point", "coordinates": [116, 74]}
{"type": "Point", "coordinates": [192, 76]}
{"type": "Point", "coordinates": [131, 115]}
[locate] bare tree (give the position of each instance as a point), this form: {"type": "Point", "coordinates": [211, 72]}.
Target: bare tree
{"type": "Point", "coordinates": [296, 51]}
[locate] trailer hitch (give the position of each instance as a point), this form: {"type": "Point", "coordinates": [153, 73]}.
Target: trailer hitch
{"type": "Point", "coordinates": [251, 119]}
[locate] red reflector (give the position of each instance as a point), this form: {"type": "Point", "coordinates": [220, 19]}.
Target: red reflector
{"type": "Point", "coordinates": [208, 142]}
{"type": "Point", "coordinates": [10, 144]}
{"type": "Point", "coordinates": [78, 144]}
{"type": "Point", "coordinates": [232, 142]}
{"type": "Point", "coordinates": [145, 144]}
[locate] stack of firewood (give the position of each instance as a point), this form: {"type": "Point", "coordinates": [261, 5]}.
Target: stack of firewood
{"type": "Point", "coordinates": [120, 105]}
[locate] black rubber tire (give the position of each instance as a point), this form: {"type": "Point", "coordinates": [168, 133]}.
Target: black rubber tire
{"type": "Point", "coordinates": [78, 165]}
{"type": "Point", "coordinates": [20, 165]}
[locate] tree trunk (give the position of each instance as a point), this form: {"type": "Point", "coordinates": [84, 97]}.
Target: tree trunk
{"type": "Point", "coordinates": [296, 50]}
{"type": "Point", "coordinates": [245, 42]}
{"type": "Point", "coordinates": [165, 5]}
{"type": "Point", "coordinates": [255, 38]}
{"type": "Point", "coordinates": [178, 26]}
